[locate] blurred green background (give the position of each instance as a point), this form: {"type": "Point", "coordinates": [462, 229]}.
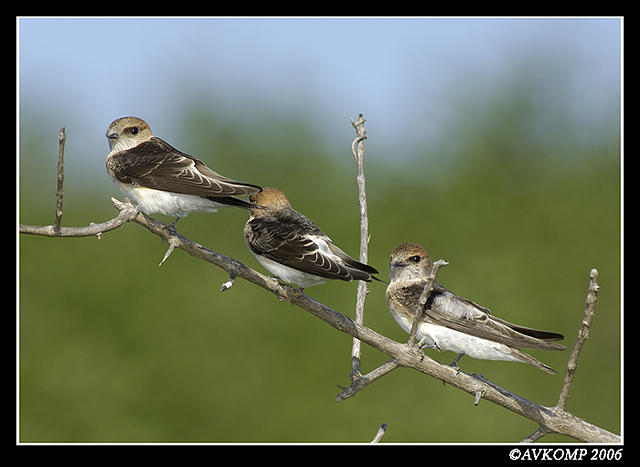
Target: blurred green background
{"type": "Point", "coordinates": [113, 348]}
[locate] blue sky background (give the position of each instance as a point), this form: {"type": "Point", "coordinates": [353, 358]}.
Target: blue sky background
{"type": "Point", "coordinates": [411, 77]}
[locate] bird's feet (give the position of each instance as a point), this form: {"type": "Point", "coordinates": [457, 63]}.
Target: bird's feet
{"type": "Point", "coordinates": [171, 228]}
{"type": "Point", "coordinates": [454, 363]}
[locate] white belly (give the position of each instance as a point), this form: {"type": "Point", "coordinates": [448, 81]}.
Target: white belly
{"type": "Point", "coordinates": [170, 204]}
{"type": "Point", "coordinates": [287, 274]}
{"type": "Point", "coordinates": [443, 338]}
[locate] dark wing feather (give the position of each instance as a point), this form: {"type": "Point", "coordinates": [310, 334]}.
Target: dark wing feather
{"type": "Point", "coordinates": [286, 239]}
{"type": "Point", "coordinates": [358, 270]}
{"type": "Point", "coordinates": [156, 164]}
{"type": "Point", "coordinates": [447, 309]}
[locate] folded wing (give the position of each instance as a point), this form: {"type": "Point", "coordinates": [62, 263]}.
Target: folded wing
{"type": "Point", "coordinates": [156, 164]}
{"type": "Point", "coordinates": [447, 309]}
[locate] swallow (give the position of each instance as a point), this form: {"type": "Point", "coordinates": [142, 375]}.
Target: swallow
{"type": "Point", "coordinates": [453, 323]}
{"type": "Point", "coordinates": [161, 179]}
{"type": "Point", "coordinates": [289, 245]}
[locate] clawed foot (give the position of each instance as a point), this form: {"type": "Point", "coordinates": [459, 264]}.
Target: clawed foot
{"type": "Point", "coordinates": [297, 291]}
{"type": "Point", "coordinates": [172, 228]}
{"type": "Point", "coordinates": [173, 224]}
{"type": "Point", "coordinates": [454, 363]}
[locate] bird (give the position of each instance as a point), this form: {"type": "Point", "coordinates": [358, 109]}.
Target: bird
{"type": "Point", "coordinates": [289, 245]}
{"type": "Point", "coordinates": [453, 323]}
{"type": "Point", "coordinates": [162, 179]}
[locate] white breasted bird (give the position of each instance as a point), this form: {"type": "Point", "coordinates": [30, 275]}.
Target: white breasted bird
{"type": "Point", "coordinates": [450, 322]}
{"type": "Point", "coordinates": [161, 179]}
{"type": "Point", "coordinates": [293, 248]}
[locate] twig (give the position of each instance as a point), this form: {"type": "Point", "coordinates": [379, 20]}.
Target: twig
{"type": "Point", "coordinates": [535, 436]}
{"type": "Point", "coordinates": [232, 279]}
{"type": "Point", "coordinates": [583, 335]}
{"type": "Point", "coordinates": [381, 431]}
{"type": "Point", "coordinates": [62, 137]}
{"type": "Point", "coordinates": [572, 364]}
{"type": "Point", "coordinates": [358, 380]}
{"type": "Point", "coordinates": [172, 246]}
{"type": "Point", "coordinates": [127, 213]}
{"type": "Point", "coordinates": [358, 384]}
{"type": "Point", "coordinates": [358, 155]}
{"type": "Point", "coordinates": [424, 296]}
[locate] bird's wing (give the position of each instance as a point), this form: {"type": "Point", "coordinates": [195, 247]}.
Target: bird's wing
{"type": "Point", "coordinates": [454, 312]}
{"type": "Point", "coordinates": [156, 164]}
{"type": "Point", "coordinates": [294, 241]}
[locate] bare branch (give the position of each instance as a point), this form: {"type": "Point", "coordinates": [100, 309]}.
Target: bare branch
{"type": "Point", "coordinates": [227, 285]}
{"type": "Point", "coordinates": [62, 137]}
{"type": "Point", "coordinates": [572, 364]}
{"type": "Point", "coordinates": [428, 287]}
{"type": "Point", "coordinates": [557, 421]}
{"type": "Point", "coordinates": [359, 383]}
{"type": "Point", "coordinates": [477, 396]}
{"type": "Point", "coordinates": [535, 436]}
{"type": "Point", "coordinates": [381, 431]}
{"type": "Point", "coordinates": [172, 246]}
{"type": "Point", "coordinates": [583, 335]}
{"type": "Point", "coordinates": [126, 215]}
{"type": "Point", "coordinates": [403, 354]}
{"type": "Point", "coordinates": [358, 155]}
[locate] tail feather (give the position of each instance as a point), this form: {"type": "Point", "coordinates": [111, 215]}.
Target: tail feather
{"type": "Point", "coordinates": [358, 270]}
{"type": "Point", "coordinates": [543, 339]}
{"type": "Point", "coordinates": [378, 280]}
{"type": "Point", "coordinates": [526, 358]}
{"type": "Point", "coordinates": [544, 335]}
{"type": "Point", "coordinates": [231, 201]}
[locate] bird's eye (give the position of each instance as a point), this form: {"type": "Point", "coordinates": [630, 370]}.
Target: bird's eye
{"type": "Point", "coordinates": [415, 259]}
{"type": "Point", "coordinates": [134, 130]}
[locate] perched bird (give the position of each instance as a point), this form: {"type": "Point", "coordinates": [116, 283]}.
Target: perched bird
{"type": "Point", "coordinates": [290, 246]}
{"type": "Point", "coordinates": [450, 322]}
{"type": "Point", "coordinates": [161, 179]}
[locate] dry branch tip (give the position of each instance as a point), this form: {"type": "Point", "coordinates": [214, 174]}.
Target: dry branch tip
{"type": "Point", "coordinates": [227, 285]}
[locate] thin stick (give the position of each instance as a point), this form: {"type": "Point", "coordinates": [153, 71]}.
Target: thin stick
{"type": "Point", "coordinates": [381, 431]}
{"type": "Point", "coordinates": [428, 287]}
{"type": "Point", "coordinates": [357, 148]}
{"type": "Point", "coordinates": [583, 335]}
{"type": "Point", "coordinates": [127, 214]}
{"type": "Point", "coordinates": [572, 364]}
{"type": "Point", "coordinates": [172, 246]}
{"type": "Point", "coordinates": [535, 436]}
{"type": "Point", "coordinates": [363, 381]}
{"type": "Point", "coordinates": [62, 137]}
